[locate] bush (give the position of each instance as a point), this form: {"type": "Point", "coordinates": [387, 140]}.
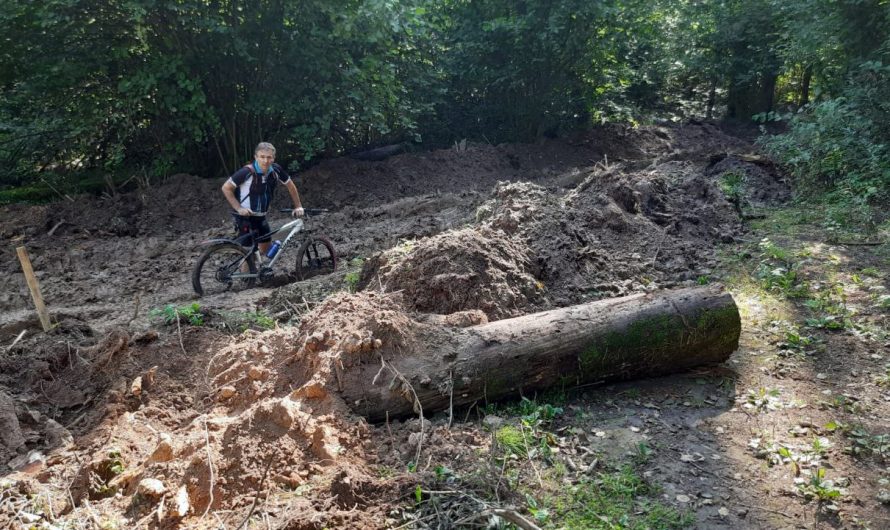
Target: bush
{"type": "Point", "coordinates": [835, 149]}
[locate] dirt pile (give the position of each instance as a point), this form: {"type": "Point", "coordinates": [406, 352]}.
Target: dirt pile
{"type": "Point", "coordinates": [616, 232]}
{"type": "Point", "coordinates": [470, 268]}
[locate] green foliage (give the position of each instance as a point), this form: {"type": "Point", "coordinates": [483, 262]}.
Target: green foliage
{"type": "Point", "coordinates": [354, 275]}
{"type": "Point", "coordinates": [168, 86]}
{"type": "Point", "coordinates": [865, 443]}
{"type": "Point", "coordinates": [156, 87]}
{"type": "Point", "coordinates": [172, 314]}
{"type": "Point", "coordinates": [820, 488]}
{"type": "Point", "coordinates": [732, 183]}
{"type": "Point", "coordinates": [616, 501]}
{"type": "Point", "coordinates": [778, 271]}
{"type": "Point", "coordinates": [241, 321]}
{"type": "Point", "coordinates": [511, 440]}
{"type": "Point", "coordinates": [836, 149]}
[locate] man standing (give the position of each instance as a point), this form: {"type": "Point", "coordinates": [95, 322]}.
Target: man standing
{"type": "Point", "coordinates": [249, 192]}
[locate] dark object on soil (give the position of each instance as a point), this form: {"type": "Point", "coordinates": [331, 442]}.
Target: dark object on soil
{"type": "Point", "coordinates": [380, 153]}
{"type": "Point", "coordinates": [620, 338]}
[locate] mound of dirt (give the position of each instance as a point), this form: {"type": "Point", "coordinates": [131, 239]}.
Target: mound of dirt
{"type": "Point", "coordinates": [459, 270]}
{"type": "Point", "coordinates": [759, 180]}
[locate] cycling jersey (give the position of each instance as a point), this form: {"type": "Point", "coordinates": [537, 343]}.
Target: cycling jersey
{"type": "Point", "coordinates": [253, 189]}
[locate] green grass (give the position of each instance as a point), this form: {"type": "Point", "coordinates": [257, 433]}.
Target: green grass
{"type": "Point", "coordinates": [240, 321]}
{"type": "Point", "coordinates": [616, 500]}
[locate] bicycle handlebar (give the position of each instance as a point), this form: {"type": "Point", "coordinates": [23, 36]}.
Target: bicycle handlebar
{"type": "Point", "coordinates": [309, 212]}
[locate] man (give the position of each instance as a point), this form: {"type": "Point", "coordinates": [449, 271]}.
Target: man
{"type": "Point", "coordinates": [249, 192]}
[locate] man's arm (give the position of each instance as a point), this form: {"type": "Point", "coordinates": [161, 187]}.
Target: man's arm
{"type": "Point", "coordinates": [228, 189]}
{"type": "Point", "coordinates": [295, 197]}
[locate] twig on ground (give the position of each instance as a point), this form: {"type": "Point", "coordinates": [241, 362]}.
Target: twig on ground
{"type": "Point", "coordinates": [55, 227]}
{"type": "Point", "coordinates": [504, 513]}
{"type": "Point", "coordinates": [17, 339]}
{"type": "Point", "coordinates": [259, 491]}
{"type": "Point", "coordinates": [406, 386]}
{"type": "Point", "coordinates": [529, 456]}
{"type": "Point", "coordinates": [179, 331]}
{"type": "Point", "coordinates": [450, 398]}
{"type": "Point", "coordinates": [209, 465]}
{"type": "Point", "coordinates": [658, 250]}
{"type": "Point", "coordinates": [136, 309]}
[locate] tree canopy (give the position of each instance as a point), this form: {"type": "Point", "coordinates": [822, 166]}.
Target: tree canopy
{"type": "Point", "coordinates": [163, 86]}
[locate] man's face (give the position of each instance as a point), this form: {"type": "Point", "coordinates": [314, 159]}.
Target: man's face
{"type": "Point", "coordinates": [264, 159]}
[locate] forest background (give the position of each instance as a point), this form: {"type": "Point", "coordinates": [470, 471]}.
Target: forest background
{"type": "Point", "coordinates": [96, 93]}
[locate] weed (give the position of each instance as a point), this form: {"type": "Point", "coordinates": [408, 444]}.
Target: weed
{"type": "Point", "coordinates": [615, 501]}
{"type": "Point", "coordinates": [763, 400]}
{"type": "Point", "coordinates": [352, 279]}
{"type": "Point", "coordinates": [819, 487]}
{"type": "Point", "coordinates": [242, 321]}
{"type": "Point", "coordinates": [883, 379]}
{"type": "Point", "coordinates": [871, 272]}
{"type": "Point", "coordinates": [732, 184]}
{"type": "Point", "coordinates": [170, 314]}
{"type": "Point", "coordinates": [642, 453]}
{"type": "Point", "coordinates": [511, 440]}
{"type": "Point", "coordinates": [864, 443]}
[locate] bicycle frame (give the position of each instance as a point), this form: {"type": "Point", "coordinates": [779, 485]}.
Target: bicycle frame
{"type": "Point", "coordinates": [294, 226]}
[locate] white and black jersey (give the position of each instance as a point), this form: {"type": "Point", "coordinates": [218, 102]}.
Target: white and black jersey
{"type": "Point", "coordinates": [253, 189]}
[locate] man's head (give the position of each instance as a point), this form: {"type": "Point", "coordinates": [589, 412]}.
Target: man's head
{"type": "Point", "coordinates": [265, 155]}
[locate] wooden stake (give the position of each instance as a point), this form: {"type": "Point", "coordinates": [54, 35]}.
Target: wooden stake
{"type": "Point", "coordinates": [34, 287]}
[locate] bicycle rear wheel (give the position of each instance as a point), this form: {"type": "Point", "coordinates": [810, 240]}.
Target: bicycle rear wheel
{"type": "Point", "coordinates": [214, 270]}
{"type": "Point", "coordinates": [316, 257]}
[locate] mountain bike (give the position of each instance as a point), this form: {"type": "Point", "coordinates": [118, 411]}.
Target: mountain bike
{"type": "Point", "coordinates": [237, 264]}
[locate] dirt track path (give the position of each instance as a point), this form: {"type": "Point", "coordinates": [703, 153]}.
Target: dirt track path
{"type": "Point", "coordinates": [737, 446]}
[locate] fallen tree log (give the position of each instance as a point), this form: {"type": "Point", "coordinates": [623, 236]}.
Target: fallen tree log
{"type": "Point", "coordinates": [621, 338]}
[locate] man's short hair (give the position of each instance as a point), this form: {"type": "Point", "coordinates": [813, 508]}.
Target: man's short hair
{"type": "Point", "coordinates": [264, 146]}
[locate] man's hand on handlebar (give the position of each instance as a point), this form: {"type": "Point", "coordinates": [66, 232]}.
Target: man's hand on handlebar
{"type": "Point", "coordinates": [297, 212]}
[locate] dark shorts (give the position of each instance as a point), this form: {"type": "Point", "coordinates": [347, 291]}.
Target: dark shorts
{"type": "Point", "coordinates": [245, 225]}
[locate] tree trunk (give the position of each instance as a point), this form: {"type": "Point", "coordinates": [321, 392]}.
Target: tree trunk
{"type": "Point", "coordinates": [805, 86]}
{"type": "Point", "coordinates": [620, 338]}
{"type": "Point", "coordinates": [712, 99]}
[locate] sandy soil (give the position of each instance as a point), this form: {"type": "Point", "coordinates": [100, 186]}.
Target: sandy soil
{"type": "Point", "coordinates": [114, 417]}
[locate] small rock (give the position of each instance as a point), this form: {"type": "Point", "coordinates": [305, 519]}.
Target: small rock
{"type": "Point", "coordinates": [255, 373]}
{"type": "Point", "coordinates": [884, 497]}
{"type": "Point", "coordinates": [164, 450]}
{"type": "Point", "coordinates": [226, 392]}
{"type": "Point", "coordinates": [821, 376]}
{"type": "Point", "coordinates": [148, 336]}
{"type": "Point", "coordinates": [56, 435]}
{"type": "Point", "coordinates": [136, 386]}
{"type": "Point", "coordinates": [683, 498]}
{"type": "Point", "coordinates": [151, 488]}
{"type": "Point", "coordinates": [742, 512]}
{"type": "Point", "coordinates": [492, 422]}
{"type": "Point", "coordinates": [181, 509]}
{"type": "Point", "coordinates": [723, 511]}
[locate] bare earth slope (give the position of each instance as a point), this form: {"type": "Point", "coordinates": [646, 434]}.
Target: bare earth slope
{"type": "Point", "coordinates": [116, 419]}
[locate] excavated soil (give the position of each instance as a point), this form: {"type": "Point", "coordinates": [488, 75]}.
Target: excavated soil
{"type": "Point", "coordinates": [116, 417]}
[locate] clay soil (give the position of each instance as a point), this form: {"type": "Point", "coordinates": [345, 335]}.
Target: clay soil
{"type": "Point", "coordinates": [125, 415]}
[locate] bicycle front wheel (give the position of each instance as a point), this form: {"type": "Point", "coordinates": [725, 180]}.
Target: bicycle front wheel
{"type": "Point", "coordinates": [218, 269]}
{"type": "Point", "coordinates": [316, 257]}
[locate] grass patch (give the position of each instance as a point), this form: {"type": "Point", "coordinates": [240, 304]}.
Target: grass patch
{"type": "Point", "coordinates": [615, 500]}
{"type": "Point", "coordinates": [170, 314]}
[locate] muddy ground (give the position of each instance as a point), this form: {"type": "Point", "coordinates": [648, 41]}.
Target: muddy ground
{"type": "Point", "coordinates": [116, 418]}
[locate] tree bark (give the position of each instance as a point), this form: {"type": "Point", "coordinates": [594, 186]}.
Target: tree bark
{"type": "Point", "coordinates": [805, 86]}
{"type": "Point", "coordinates": [621, 338]}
